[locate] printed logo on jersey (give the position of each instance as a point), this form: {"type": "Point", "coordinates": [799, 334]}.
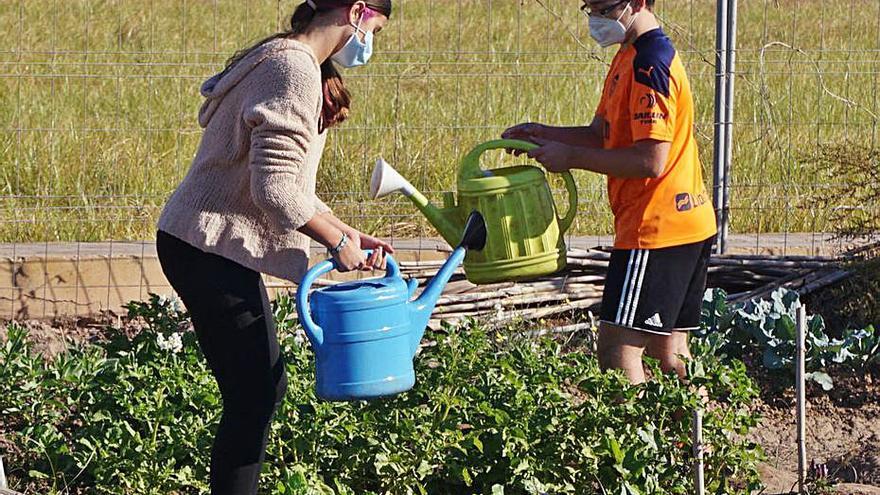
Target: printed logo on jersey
{"type": "Point", "coordinates": [648, 101]}
{"type": "Point", "coordinates": [683, 202]}
{"type": "Point", "coordinates": [650, 118]}
{"type": "Point", "coordinates": [647, 72]}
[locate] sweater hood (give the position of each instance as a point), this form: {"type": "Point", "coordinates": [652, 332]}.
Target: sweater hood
{"type": "Point", "coordinates": [218, 85]}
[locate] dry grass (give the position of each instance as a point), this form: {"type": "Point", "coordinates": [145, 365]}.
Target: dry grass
{"type": "Point", "coordinates": [98, 102]}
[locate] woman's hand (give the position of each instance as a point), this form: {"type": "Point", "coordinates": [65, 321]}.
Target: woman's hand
{"type": "Point", "coordinates": [350, 257]}
{"type": "Point", "coordinates": [379, 247]}
{"type": "Point", "coordinates": [329, 229]}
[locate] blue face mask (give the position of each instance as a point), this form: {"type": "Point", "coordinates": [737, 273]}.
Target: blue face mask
{"type": "Point", "coordinates": [355, 52]}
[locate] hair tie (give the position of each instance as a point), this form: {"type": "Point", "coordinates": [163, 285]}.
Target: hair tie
{"type": "Point", "coordinates": [311, 3]}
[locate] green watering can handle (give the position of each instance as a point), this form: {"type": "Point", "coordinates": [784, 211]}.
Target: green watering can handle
{"type": "Point", "coordinates": [470, 169]}
{"type": "Point", "coordinates": [566, 221]}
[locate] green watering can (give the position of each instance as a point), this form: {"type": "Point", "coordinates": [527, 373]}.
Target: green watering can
{"type": "Point", "coordinates": [525, 235]}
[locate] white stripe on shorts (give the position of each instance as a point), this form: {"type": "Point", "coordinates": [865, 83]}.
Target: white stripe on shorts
{"type": "Point", "coordinates": [635, 304]}
{"type": "Point", "coordinates": [633, 282]}
{"type": "Point", "coordinates": [634, 273]}
{"type": "Point", "coordinates": [623, 291]}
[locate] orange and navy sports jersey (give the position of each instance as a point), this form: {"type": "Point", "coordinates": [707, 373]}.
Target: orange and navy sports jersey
{"type": "Point", "coordinates": [647, 96]}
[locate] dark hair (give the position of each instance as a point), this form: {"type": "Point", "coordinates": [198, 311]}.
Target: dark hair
{"type": "Point", "coordinates": [337, 99]}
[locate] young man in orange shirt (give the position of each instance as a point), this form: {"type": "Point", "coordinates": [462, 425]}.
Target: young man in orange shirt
{"type": "Point", "coordinates": [642, 138]}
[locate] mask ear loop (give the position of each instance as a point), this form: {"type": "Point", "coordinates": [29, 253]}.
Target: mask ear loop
{"type": "Point", "coordinates": [631, 21]}
{"type": "Point", "coordinates": [357, 27]}
{"type": "Point", "coordinates": [628, 6]}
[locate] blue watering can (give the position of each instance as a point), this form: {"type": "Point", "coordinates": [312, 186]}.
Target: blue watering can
{"type": "Point", "coordinates": [365, 333]}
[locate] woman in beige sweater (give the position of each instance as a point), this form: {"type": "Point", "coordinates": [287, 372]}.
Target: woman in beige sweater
{"type": "Point", "coordinates": [248, 206]}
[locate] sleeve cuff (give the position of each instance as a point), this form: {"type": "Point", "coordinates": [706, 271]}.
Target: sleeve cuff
{"type": "Point", "coordinates": [656, 135]}
{"type": "Point", "coordinates": [321, 207]}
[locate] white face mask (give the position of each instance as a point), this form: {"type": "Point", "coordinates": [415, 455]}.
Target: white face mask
{"type": "Point", "coordinates": [607, 31]}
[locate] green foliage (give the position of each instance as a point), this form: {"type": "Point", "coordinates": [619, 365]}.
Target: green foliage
{"type": "Point", "coordinates": [769, 325]}
{"type": "Point", "coordinates": [491, 413]}
{"type": "Point", "coordinates": [114, 416]}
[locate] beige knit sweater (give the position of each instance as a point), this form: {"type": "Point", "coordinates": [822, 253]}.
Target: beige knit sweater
{"type": "Point", "coordinates": [252, 182]}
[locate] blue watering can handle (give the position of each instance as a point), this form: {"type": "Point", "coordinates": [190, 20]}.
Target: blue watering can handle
{"type": "Point", "coordinates": [313, 331]}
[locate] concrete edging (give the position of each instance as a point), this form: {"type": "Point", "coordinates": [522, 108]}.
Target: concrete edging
{"type": "Point", "coordinates": [47, 280]}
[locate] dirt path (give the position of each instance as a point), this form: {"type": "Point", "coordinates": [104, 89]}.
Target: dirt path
{"type": "Point", "coordinates": [843, 433]}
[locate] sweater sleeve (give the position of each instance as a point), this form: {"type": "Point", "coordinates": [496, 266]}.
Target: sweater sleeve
{"type": "Point", "coordinates": [321, 207]}
{"type": "Point", "coordinates": [282, 115]}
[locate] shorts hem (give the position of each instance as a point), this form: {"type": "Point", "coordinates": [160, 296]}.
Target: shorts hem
{"type": "Point", "coordinates": [655, 331]}
{"type": "Point", "coordinates": [685, 329]}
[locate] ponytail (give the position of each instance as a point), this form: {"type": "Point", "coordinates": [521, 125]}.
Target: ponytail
{"type": "Point", "coordinates": [337, 99]}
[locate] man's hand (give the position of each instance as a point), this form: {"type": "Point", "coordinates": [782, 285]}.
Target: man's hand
{"type": "Point", "coordinates": [529, 131]}
{"type": "Point", "coordinates": [553, 155]}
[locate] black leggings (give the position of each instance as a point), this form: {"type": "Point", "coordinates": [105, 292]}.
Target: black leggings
{"type": "Point", "coordinates": [233, 321]}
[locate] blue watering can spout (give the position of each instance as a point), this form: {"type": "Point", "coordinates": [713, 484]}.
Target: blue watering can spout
{"type": "Point", "coordinates": [474, 237]}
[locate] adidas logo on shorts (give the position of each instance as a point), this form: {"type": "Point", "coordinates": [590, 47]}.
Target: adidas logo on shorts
{"type": "Point", "coordinates": [654, 321]}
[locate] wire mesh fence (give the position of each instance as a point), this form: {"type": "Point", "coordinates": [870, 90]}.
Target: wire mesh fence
{"type": "Point", "coordinates": [805, 120]}
{"type": "Point", "coordinates": [98, 103]}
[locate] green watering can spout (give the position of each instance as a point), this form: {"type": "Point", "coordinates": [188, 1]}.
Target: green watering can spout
{"type": "Point", "coordinates": [386, 180]}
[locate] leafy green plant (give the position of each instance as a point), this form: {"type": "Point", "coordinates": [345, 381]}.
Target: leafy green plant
{"type": "Point", "coordinates": [492, 412]}
{"type": "Point", "coordinates": [769, 325]}
{"type": "Point", "coordinates": [163, 314]}
{"type": "Point", "coordinates": [126, 416]}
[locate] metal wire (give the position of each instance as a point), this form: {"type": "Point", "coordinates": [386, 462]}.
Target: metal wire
{"type": "Point", "coordinates": [98, 105]}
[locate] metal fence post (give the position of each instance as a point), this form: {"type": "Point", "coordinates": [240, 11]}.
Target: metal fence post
{"type": "Point", "coordinates": [2, 474]}
{"type": "Point", "coordinates": [730, 66]}
{"type": "Point", "coordinates": [801, 397]}
{"type": "Point", "coordinates": [719, 140]}
{"type": "Point", "coordinates": [699, 476]}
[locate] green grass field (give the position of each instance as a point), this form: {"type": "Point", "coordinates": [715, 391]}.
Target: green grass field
{"type": "Point", "coordinates": [98, 102]}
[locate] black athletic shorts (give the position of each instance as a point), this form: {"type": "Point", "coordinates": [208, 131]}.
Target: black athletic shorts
{"type": "Point", "coordinates": [656, 290]}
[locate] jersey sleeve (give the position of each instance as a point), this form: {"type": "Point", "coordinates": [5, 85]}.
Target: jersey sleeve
{"type": "Point", "coordinates": [652, 102]}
